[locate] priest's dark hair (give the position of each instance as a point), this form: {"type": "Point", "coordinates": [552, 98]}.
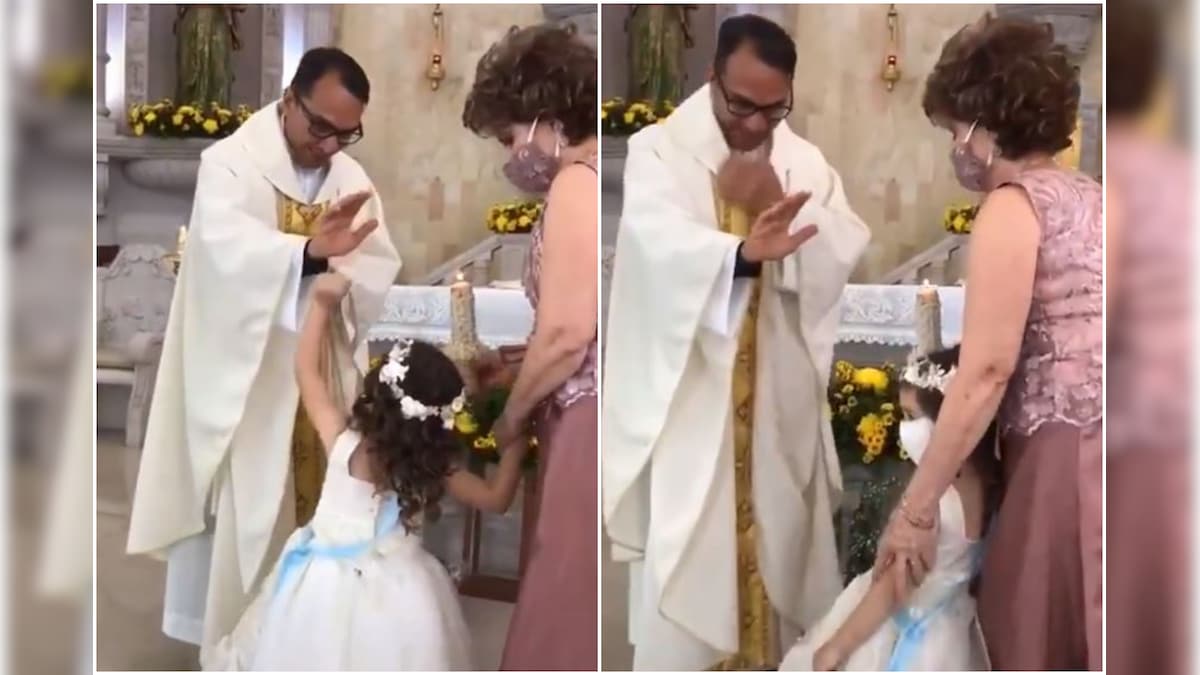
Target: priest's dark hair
{"type": "Point", "coordinates": [320, 61]}
{"type": "Point", "coordinates": [409, 456]}
{"type": "Point", "coordinates": [771, 43]}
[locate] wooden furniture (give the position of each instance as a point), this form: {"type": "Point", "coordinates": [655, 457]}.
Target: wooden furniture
{"type": "Point", "coordinates": [473, 582]}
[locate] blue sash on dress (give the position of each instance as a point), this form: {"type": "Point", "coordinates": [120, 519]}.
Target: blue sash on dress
{"type": "Point", "coordinates": [304, 551]}
{"type": "Point", "coordinates": [914, 623]}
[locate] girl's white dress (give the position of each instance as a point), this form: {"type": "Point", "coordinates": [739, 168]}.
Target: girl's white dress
{"type": "Point", "coordinates": [352, 591]}
{"type": "Point", "coordinates": [936, 631]}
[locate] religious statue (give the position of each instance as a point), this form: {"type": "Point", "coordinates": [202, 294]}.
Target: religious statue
{"type": "Point", "coordinates": [658, 34]}
{"type": "Point", "coordinates": [207, 38]}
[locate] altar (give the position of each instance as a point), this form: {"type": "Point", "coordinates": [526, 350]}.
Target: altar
{"type": "Point", "coordinates": [876, 320]}
{"type": "Point", "coordinates": [878, 325]}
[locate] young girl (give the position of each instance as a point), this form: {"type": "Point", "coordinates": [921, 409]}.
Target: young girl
{"type": "Point", "coordinates": [869, 628]}
{"type": "Point", "coordinates": [355, 589]}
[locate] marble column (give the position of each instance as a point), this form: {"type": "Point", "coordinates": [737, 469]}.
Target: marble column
{"type": "Point", "coordinates": [101, 60]}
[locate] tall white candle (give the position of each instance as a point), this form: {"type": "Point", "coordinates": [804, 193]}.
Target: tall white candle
{"type": "Point", "coordinates": [928, 319]}
{"type": "Point", "coordinates": [463, 337]}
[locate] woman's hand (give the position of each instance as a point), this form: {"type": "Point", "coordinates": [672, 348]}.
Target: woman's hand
{"type": "Point", "coordinates": [507, 430]}
{"type": "Point", "coordinates": [908, 548]}
{"type": "Point", "coordinates": [329, 289]}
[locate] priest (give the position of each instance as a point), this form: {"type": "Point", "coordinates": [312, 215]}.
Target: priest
{"type": "Point", "coordinates": [230, 464]}
{"type": "Point", "coordinates": [720, 477]}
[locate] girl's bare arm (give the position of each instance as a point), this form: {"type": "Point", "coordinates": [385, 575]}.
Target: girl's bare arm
{"type": "Point", "coordinates": [494, 494]}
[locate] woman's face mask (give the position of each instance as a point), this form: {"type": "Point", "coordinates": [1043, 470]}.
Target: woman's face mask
{"type": "Point", "coordinates": [914, 437]}
{"type": "Point", "coordinates": [969, 169]}
{"type": "Point", "coordinates": [531, 169]}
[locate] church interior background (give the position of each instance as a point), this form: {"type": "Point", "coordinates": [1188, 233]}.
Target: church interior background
{"type": "Point", "coordinates": [858, 86]}
{"type": "Point", "coordinates": [437, 182]}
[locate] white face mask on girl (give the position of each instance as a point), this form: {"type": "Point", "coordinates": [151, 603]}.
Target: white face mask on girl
{"type": "Point", "coordinates": [914, 437]}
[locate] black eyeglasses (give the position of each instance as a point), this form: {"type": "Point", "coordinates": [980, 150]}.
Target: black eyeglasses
{"type": "Point", "coordinates": [740, 107]}
{"type": "Point", "coordinates": [321, 129]}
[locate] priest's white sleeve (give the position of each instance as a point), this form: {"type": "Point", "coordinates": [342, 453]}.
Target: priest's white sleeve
{"type": "Point", "coordinates": [841, 238]}
{"type": "Point", "coordinates": [729, 300]}
{"type": "Point", "coordinates": [296, 287]}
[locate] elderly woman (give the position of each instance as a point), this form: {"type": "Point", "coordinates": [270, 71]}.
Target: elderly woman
{"type": "Point", "coordinates": [1148, 216]}
{"type": "Point", "coordinates": [1032, 351]}
{"type": "Point", "coordinates": [535, 92]}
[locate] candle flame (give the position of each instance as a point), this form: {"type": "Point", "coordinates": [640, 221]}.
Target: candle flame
{"type": "Point", "coordinates": [458, 277]}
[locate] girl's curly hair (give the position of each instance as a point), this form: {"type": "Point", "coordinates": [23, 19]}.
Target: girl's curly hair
{"type": "Point", "coordinates": [411, 457]}
{"type": "Point", "coordinates": [1012, 77]}
{"type": "Point", "coordinates": [538, 72]}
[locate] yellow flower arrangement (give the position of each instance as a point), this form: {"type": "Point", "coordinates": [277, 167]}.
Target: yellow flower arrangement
{"type": "Point", "coordinates": [165, 119]}
{"type": "Point", "coordinates": [870, 378]}
{"type": "Point", "coordinates": [958, 218]}
{"type": "Point", "coordinates": [863, 403]}
{"type": "Point", "coordinates": [517, 217]}
{"type": "Point", "coordinates": [621, 118]}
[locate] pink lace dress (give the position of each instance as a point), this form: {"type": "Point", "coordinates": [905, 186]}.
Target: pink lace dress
{"type": "Point", "coordinates": [1149, 406]}
{"type": "Point", "coordinates": [1040, 600]}
{"type": "Point", "coordinates": [554, 624]}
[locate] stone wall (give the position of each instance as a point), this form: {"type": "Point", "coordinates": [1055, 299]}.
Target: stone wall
{"type": "Point", "coordinates": [436, 179]}
{"type": "Point", "coordinates": [892, 161]}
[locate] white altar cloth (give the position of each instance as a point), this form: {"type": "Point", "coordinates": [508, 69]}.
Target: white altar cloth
{"type": "Point", "coordinates": [871, 314]}
{"type": "Point", "coordinates": [502, 315]}
{"type": "Point", "coordinates": [885, 314]}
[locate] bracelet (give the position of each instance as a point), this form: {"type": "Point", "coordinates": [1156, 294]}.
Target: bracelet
{"type": "Point", "coordinates": [926, 523]}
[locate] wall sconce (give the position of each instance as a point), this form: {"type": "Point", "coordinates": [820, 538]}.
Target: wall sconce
{"type": "Point", "coordinates": [436, 71]}
{"type": "Point", "coordinates": [891, 67]}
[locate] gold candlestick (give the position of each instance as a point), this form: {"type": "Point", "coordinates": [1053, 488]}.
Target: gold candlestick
{"type": "Point", "coordinates": [928, 319]}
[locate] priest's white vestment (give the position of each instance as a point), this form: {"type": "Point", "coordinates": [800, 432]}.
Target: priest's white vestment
{"type": "Point", "coordinates": [674, 317]}
{"type": "Point", "coordinates": [214, 475]}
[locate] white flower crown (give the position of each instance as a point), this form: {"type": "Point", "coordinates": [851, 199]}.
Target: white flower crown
{"type": "Point", "coordinates": [393, 372]}
{"type": "Point", "coordinates": [925, 374]}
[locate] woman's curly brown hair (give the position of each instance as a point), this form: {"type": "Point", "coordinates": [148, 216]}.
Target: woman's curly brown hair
{"type": "Point", "coordinates": [1010, 76]}
{"type": "Point", "coordinates": [411, 457]}
{"type": "Point", "coordinates": [540, 72]}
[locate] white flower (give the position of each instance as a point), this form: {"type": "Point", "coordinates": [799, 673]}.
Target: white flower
{"type": "Point", "coordinates": [458, 403]}
{"type": "Point", "coordinates": [393, 371]}
{"type": "Point", "coordinates": [448, 422]}
{"type": "Point", "coordinates": [412, 408]}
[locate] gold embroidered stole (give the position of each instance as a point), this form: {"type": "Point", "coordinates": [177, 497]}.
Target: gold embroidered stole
{"type": "Point", "coordinates": [308, 454]}
{"type": "Point", "coordinates": [756, 621]}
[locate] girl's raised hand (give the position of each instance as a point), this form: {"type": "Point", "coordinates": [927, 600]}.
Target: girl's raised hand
{"type": "Point", "coordinates": [329, 288]}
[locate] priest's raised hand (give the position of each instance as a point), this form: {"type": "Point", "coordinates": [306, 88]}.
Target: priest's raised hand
{"type": "Point", "coordinates": [771, 237]}
{"type": "Point", "coordinates": [336, 236]}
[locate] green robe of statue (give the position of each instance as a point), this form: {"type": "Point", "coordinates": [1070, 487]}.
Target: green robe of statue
{"type": "Point", "coordinates": [658, 35]}
{"type": "Point", "coordinates": [207, 36]}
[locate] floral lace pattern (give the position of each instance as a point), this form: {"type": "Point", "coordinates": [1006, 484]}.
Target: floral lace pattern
{"type": "Point", "coordinates": [585, 380]}
{"type": "Point", "coordinates": [1060, 370]}
{"type": "Point", "coordinates": [1149, 325]}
